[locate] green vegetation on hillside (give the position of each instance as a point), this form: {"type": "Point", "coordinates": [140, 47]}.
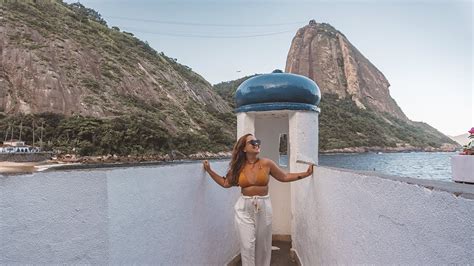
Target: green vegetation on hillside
{"type": "Point", "coordinates": [343, 124]}
{"type": "Point", "coordinates": [122, 135]}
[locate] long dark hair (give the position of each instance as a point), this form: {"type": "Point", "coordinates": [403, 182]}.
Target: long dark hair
{"type": "Point", "coordinates": [238, 160]}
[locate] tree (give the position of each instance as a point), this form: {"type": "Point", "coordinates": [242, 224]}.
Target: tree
{"type": "Point", "coordinates": [85, 13]}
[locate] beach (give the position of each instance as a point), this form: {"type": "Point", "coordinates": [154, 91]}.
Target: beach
{"type": "Point", "coordinates": [29, 167]}
{"type": "Point", "coordinates": [14, 167]}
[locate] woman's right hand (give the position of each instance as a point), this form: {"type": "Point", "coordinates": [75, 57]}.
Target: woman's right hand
{"type": "Point", "coordinates": [310, 170]}
{"type": "Point", "coordinates": [206, 165]}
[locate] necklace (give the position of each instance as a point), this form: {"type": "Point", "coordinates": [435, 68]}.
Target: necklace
{"type": "Point", "coordinates": [253, 163]}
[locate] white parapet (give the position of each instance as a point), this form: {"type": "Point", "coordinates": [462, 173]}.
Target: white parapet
{"type": "Point", "coordinates": [462, 167]}
{"type": "Point", "coordinates": [167, 215]}
{"type": "Point", "coordinates": [348, 217]}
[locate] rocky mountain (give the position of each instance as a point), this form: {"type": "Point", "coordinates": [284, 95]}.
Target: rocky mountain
{"type": "Point", "coordinates": [347, 77]}
{"type": "Point", "coordinates": [325, 55]}
{"type": "Point", "coordinates": [63, 59]}
{"type": "Point", "coordinates": [357, 112]}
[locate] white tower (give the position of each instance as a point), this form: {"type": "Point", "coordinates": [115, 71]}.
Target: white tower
{"type": "Point", "coordinates": [274, 108]}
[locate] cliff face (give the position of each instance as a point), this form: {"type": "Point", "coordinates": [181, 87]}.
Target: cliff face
{"type": "Point", "coordinates": [52, 61]}
{"type": "Point", "coordinates": [63, 59]}
{"type": "Point", "coordinates": [358, 113]}
{"type": "Point", "coordinates": [323, 54]}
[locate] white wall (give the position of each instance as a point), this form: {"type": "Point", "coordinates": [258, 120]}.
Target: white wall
{"type": "Point", "coordinates": [268, 127]}
{"type": "Point", "coordinates": [304, 141]}
{"type": "Point", "coordinates": [245, 124]}
{"type": "Point", "coordinates": [57, 217]}
{"type": "Point", "coordinates": [174, 214]}
{"type": "Point", "coordinates": [343, 217]}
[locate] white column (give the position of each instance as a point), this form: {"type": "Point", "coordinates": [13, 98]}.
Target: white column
{"type": "Point", "coordinates": [245, 124]}
{"type": "Point", "coordinates": [303, 145]}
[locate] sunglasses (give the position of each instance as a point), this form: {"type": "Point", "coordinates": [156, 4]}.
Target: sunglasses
{"type": "Point", "coordinates": [255, 142]}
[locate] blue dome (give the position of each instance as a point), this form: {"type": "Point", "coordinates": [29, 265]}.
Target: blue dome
{"type": "Point", "coordinates": [277, 91]}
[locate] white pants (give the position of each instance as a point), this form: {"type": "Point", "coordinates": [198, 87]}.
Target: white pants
{"type": "Point", "coordinates": [253, 219]}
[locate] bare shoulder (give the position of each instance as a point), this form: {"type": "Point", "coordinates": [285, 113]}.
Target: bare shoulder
{"type": "Point", "coordinates": [267, 162]}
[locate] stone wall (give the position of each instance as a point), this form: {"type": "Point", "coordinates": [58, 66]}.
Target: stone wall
{"type": "Point", "coordinates": [25, 157]}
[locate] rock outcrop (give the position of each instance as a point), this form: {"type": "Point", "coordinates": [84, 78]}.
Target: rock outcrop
{"type": "Point", "coordinates": [53, 61]}
{"type": "Point", "coordinates": [325, 55]}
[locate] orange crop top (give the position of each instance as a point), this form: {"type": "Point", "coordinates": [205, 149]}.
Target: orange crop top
{"type": "Point", "coordinates": [262, 179]}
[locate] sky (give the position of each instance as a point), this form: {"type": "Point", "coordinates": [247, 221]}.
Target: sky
{"type": "Point", "coordinates": [424, 48]}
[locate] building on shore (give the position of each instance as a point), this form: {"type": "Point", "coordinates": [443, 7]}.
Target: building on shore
{"type": "Point", "coordinates": [17, 146]}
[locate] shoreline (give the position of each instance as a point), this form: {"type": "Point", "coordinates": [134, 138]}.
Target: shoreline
{"type": "Point", "coordinates": [18, 168]}
{"type": "Point", "coordinates": [350, 150]}
{"type": "Point", "coordinates": [72, 162]}
{"type": "Point", "coordinates": [78, 166]}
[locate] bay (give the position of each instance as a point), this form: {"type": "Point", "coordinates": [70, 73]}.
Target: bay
{"type": "Point", "coordinates": [423, 165]}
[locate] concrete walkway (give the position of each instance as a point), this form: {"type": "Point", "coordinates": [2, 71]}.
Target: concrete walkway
{"type": "Point", "coordinates": [279, 257]}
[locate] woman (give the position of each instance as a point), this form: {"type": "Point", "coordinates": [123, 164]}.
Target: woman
{"type": "Point", "coordinates": [253, 210]}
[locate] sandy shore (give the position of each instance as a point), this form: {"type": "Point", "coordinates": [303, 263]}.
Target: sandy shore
{"type": "Point", "coordinates": [29, 167]}
{"type": "Point", "coordinates": [13, 167]}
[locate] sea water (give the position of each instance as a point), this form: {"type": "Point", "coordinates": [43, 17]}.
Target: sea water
{"type": "Point", "coordinates": [424, 165]}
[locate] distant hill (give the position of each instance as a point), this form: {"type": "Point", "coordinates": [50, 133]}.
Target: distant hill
{"type": "Point", "coordinates": [461, 139]}
{"type": "Point", "coordinates": [98, 89]}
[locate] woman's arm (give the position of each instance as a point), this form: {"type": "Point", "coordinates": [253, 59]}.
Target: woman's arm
{"type": "Point", "coordinates": [219, 179]}
{"type": "Point", "coordinates": [281, 176]}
